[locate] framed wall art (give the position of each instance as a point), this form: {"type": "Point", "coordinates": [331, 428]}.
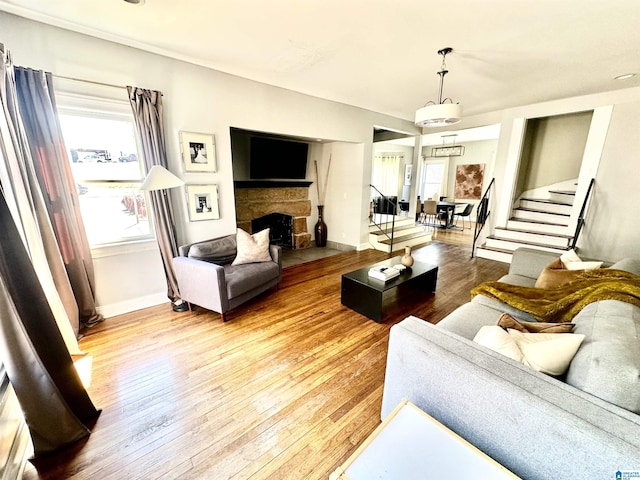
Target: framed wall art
{"type": "Point", "coordinates": [202, 202]}
{"type": "Point", "coordinates": [469, 181]}
{"type": "Point", "coordinates": [198, 152]}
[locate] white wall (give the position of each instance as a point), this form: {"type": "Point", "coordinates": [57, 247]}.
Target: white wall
{"type": "Point", "coordinates": [483, 151]}
{"type": "Point", "coordinates": [198, 99]}
{"type": "Point", "coordinates": [202, 100]}
{"type": "Point", "coordinates": [609, 233]}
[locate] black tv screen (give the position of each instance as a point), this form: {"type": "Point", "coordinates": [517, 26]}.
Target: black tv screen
{"type": "Point", "coordinates": [276, 159]}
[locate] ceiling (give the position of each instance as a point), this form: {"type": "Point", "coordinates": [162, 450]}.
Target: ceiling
{"type": "Point", "coordinates": [381, 54]}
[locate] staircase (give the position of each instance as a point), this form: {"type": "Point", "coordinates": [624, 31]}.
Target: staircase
{"type": "Point", "coordinates": [542, 224]}
{"type": "Point", "coordinates": [405, 233]}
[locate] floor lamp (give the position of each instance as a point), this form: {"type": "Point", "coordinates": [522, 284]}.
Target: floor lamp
{"type": "Point", "coordinates": [159, 178]}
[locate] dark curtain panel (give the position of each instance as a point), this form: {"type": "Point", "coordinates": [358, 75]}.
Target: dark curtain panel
{"type": "Point", "coordinates": [57, 408]}
{"type": "Point", "coordinates": [147, 110]}
{"type": "Point", "coordinates": [40, 119]}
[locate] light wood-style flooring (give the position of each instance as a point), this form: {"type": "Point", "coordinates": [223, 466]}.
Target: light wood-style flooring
{"type": "Point", "coordinates": [286, 389]}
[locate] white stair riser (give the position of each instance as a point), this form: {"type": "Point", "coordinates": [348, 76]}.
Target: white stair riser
{"type": "Point", "coordinates": [389, 219]}
{"type": "Point", "coordinates": [493, 255]}
{"type": "Point", "coordinates": [547, 207]}
{"type": "Point", "coordinates": [538, 227]}
{"type": "Point", "coordinates": [374, 240]}
{"type": "Point", "coordinates": [375, 228]}
{"type": "Point", "coordinates": [540, 217]}
{"type": "Point", "coordinates": [532, 237]}
{"type": "Point", "coordinates": [399, 233]}
{"type": "Point", "coordinates": [512, 245]}
{"type": "Point", "coordinates": [558, 197]}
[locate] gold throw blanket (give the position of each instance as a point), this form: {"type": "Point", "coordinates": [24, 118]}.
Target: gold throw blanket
{"type": "Point", "coordinates": [563, 302]}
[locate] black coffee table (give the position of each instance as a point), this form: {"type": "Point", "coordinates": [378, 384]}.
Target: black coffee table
{"type": "Point", "coordinates": [375, 298]}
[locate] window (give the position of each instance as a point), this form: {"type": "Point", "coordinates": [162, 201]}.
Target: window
{"type": "Point", "coordinates": [386, 173]}
{"type": "Point", "coordinates": [433, 176]}
{"type": "Point", "coordinates": [103, 154]}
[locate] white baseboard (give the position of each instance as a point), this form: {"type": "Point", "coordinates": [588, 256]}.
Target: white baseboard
{"type": "Point", "coordinates": [127, 306]}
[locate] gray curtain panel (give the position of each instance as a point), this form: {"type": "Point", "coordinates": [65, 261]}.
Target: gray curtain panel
{"type": "Point", "coordinates": [56, 406]}
{"type": "Point", "coordinates": [39, 116]}
{"type": "Point", "coordinates": [26, 203]}
{"type": "Point", "coordinates": [147, 110]}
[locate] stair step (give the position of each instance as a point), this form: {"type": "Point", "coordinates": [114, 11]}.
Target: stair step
{"type": "Point", "coordinates": [546, 201]}
{"type": "Point", "coordinates": [377, 231]}
{"type": "Point", "coordinates": [497, 254]}
{"type": "Point", "coordinates": [507, 244]}
{"type": "Point", "coordinates": [542, 227]}
{"type": "Point", "coordinates": [539, 215]}
{"type": "Point", "coordinates": [563, 192]}
{"type": "Point", "coordinates": [560, 235]}
{"type": "Point", "coordinates": [542, 237]}
{"type": "Point", "coordinates": [546, 206]}
{"type": "Point", "coordinates": [405, 238]}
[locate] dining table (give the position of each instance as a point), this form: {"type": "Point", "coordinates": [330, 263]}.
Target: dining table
{"type": "Point", "coordinates": [449, 209]}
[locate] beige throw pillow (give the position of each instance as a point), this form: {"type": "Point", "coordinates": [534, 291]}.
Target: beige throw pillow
{"type": "Point", "coordinates": [252, 248]}
{"type": "Point", "coordinates": [549, 353]}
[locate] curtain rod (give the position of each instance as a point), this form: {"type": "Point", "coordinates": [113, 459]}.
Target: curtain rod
{"type": "Point", "coordinates": [88, 81]}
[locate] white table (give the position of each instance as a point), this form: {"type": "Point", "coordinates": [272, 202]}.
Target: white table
{"type": "Point", "coordinates": [411, 445]}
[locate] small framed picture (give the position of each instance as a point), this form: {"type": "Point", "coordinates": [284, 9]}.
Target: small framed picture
{"type": "Point", "coordinates": [202, 202]}
{"type": "Point", "coordinates": [198, 152]}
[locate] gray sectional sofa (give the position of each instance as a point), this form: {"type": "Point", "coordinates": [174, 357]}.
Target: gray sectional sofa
{"type": "Point", "coordinates": [584, 425]}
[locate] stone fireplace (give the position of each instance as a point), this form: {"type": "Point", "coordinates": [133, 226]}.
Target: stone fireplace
{"type": "Point", "coordinates": [281, 205]}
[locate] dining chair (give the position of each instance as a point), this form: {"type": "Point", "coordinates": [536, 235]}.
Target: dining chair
{"type": "Point", "coordinates": [465, 213]}
{"type": "Point", "coordinates": [430, 210]}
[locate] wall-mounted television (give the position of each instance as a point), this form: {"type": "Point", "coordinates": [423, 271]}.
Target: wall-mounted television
{"type": "Point", "coordinates": [271, 158]}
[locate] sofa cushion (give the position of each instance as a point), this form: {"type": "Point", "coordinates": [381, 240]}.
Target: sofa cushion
{"type": "Point", "coordinates": [608, 362]}
{"type": "Point", "coordinates": [243, 278]}
{"type": "Point", "coordinates": [221, 251]}
{"type": "Point", "coordinates": [549, 353]}
{"type": "Point", "coordinates": [630, 265]}
{"type": "Point", "coordinates": [252, 248]}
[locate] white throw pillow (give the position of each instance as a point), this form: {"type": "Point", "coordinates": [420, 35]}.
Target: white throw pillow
{"type": "Point", "coordinates": [582, 265]}
{"type": "Point", "coordinates": [498, 339]}
{"type": "Point", "coordinates": [252, 248]}
{"type": "Point", "coordinates": [549, 353]}
{"type": "Point", "coordinates": [569, 257]}
{"type": "Point", "coordinates": [572, 261]}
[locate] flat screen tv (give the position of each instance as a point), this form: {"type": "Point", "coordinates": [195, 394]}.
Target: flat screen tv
{"type": "Point", "coordinates": [270, 158]}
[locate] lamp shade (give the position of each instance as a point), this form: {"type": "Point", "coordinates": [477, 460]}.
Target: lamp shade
{"type": "Point", "coordinates": [159, 178]}
{"type": "Point", "coordinates": [439, 115]}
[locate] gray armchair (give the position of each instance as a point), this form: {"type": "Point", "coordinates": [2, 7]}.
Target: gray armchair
{"type": "Point", "coordinates": [207, 278]}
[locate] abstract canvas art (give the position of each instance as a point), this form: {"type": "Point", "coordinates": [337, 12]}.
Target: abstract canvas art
{"type": "Point", "coordinates": [469, 181]}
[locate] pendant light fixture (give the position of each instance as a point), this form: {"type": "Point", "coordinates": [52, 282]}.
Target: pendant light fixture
{"type": "Point", "coordinates": [440, 114]}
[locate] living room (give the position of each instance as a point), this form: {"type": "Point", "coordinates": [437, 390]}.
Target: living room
{"type": "Point", "coordinates": [202, 99]}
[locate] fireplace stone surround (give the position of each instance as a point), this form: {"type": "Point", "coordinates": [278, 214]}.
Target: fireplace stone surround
{"type": "Point", "coordinates": [257, 200]}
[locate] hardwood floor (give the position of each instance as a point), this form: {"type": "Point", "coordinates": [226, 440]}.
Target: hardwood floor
{"type": "Point", "coordinates": [286, 389]}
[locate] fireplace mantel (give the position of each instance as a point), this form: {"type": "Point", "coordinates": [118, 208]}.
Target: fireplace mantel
{"type": "Point", "coordinates": [270, 183]}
